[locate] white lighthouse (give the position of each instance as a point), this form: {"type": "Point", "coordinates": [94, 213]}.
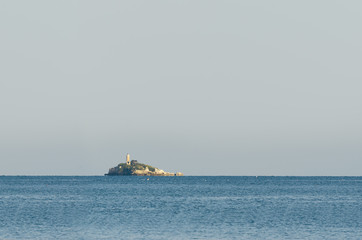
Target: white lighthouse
{"type": "Point", "coordinates": [128, 159]}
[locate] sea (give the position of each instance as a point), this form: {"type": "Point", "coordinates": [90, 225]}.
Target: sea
{"type": "Point", "coordinates": [190, 207]}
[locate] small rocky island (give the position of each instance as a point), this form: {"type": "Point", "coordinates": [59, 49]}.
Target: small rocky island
{"type": "Point", "coordinates": [134, 168]}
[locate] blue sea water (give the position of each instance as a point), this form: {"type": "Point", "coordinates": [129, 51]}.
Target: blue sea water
{"type": "Point", "coordinates": [129, 207]}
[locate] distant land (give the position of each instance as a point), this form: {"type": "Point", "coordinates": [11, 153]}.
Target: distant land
{"type": "Point", "coordinates": [134, 168]}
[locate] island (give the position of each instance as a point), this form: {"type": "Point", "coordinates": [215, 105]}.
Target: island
{"type": "Point", "coordinates": [134, 168]}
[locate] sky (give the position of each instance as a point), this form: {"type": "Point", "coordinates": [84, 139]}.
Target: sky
{"type": "Point", "coordinates": [202, 87]}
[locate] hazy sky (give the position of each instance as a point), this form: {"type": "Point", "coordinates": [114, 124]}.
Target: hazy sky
{"type": "Point", "coordinates": [203, 87]}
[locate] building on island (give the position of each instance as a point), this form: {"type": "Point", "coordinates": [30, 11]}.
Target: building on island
{"type": "Point", "coordinates": [128, 159]}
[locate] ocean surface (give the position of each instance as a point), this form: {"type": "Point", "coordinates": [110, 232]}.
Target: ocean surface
{"type": "Point", "coordinates": [130, 207]}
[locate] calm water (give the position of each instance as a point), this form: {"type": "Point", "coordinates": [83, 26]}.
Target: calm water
{"type": "Point", "coordinates": [180, 208]}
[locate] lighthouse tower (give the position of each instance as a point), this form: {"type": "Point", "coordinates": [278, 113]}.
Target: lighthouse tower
{"type": "Point", "coordinates": [128, 159]}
